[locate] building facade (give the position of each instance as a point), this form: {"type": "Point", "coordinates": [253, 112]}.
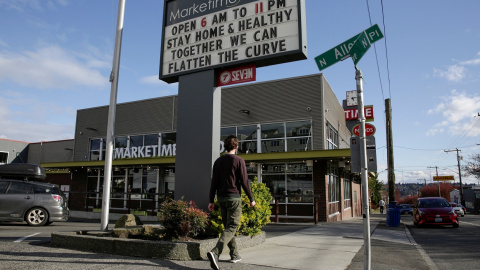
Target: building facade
{"type": "Point", "coordinates": [292, 135]}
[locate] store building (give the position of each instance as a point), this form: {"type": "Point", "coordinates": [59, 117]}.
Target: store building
{"type": "Point", "coordinates": [292, 135]}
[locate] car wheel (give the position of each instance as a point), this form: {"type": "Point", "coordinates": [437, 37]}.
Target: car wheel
{"type": "Point", "coordinates": [456, 225]}
{"type": "Point", "coordinates": [37, 217]}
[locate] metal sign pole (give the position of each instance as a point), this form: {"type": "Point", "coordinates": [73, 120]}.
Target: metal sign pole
{"type": "Point", "coordinates": [111, 118]}
{"type": "Point", "coordinates": [364, 173]}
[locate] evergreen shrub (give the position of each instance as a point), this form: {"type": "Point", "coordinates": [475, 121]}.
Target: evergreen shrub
{"type": "Point", "coordinates": [181, 219]}
{"type": "Point", "coordinates": [253, 218]}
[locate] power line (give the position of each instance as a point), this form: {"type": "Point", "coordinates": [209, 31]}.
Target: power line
{"type": "Point", "coordinates": [386, 51]}
{"type": "Point", "coordinates": [376, 55]}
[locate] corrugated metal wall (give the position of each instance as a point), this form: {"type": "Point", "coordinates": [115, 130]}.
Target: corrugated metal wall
{"type": "Point", "coordinates": [54, 151]}
{"type": "Point", "coordinates": [282, 100]}
{"type": "Point", "coordinates": [276, 101]}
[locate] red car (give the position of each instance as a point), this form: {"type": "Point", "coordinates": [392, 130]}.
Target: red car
{"type": "Point", "coordinates": [434, 210]}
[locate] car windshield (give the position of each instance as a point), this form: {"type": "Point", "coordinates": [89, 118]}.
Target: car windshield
{"type": "Point", "coordinates": [433, 203]}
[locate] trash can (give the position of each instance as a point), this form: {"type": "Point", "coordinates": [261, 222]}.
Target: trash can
{"type": "Point", "coordinates": [393, 215]}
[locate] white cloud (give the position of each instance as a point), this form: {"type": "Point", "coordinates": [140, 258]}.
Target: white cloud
{"type": "Point", "coordinates": [29, 124]}
{"type": "Point", "coordinates": [472, 62]}
{"type": "Point", "coordinates": [3, 43]}
{"type": "Point", "coordinates": [454, 73]}
{"type": "Point", "coordinates": [152, 80]}
{"type": "Point", "coordinates": [457, 72]}
{"type": "Point", "coordinates": [457, 112]}
{"type": "Point", "coordinates": [36, 5]}
{"type": "Point", "coordinates": [50, 67]}
{"type": "Point", "coordinates": [166, 89]}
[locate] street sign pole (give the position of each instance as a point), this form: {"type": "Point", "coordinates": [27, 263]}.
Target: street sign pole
{"type": "Point", "coordinates": [356, 47]}
{"type": "Point", "coordinates": [364, 171]}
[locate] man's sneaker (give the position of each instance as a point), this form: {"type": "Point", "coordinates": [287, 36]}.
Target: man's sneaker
{"type": "Point", "coordinates": [213, 260]}
{"type": "Point", "coordinates": [235, 258]}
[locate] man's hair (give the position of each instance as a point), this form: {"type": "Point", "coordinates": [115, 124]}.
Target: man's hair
{"type": "Point", "coordinates": [230, 143]}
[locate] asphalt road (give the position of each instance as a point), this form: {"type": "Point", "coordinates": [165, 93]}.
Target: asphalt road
{"type": "Point", "coordinates": [450, 248]}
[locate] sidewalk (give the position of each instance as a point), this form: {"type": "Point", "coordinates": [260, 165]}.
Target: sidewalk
{"type": "Point", "coordinates": [337, 245]}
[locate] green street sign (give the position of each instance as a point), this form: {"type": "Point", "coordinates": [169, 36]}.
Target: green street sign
{"type": "Point", "coordinates": [342, 51]}
{"type": "Point", "coordinates": [360, 47]}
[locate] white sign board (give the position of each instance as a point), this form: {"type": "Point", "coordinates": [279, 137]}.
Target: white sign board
{"type": "Point", "coordinates": [206, 34]}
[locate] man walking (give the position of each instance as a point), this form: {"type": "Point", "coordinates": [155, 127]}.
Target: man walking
{"type": "Point", "coordinates": [228, 178]}
{"type": "Point", "coordinates": [382, 205]}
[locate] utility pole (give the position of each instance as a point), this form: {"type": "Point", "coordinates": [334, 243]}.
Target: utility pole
{"type": "Point", "coordinates": [391, 169]}
{"type": "Point", "coordinates": [459, 174]}
{"type": "Point", "coordinates": [436, 169]}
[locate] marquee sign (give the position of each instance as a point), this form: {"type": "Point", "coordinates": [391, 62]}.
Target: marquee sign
{"type": "Point", "coordinates": [205, 34]}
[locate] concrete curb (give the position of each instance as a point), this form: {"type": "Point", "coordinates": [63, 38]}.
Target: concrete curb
{"type": "Point", "coordinates": [166, 250]}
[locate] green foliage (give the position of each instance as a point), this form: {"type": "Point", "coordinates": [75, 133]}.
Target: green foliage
{"type": "Point", "coordinates": [375, 188]}
{"type": "Point", "coordinates": [253, 218]}
{"type": "Point", "coordinates": [181, 219]}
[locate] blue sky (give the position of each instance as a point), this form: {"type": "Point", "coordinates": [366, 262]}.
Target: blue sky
{"type": "Point", "coordinates": [56, 58]}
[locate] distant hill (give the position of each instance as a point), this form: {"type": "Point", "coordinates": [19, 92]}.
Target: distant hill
{"type": "Point", "coordinates": [408, 189]}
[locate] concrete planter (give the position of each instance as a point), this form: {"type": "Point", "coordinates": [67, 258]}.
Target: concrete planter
{"type": "Point", "coordinates": [167, 250]}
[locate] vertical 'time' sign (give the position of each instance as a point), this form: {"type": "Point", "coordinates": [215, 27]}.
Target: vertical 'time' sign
{"type": "Point", "coordinates": [206, 34]}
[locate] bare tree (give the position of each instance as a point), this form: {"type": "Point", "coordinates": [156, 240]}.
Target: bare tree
{"type": "Point", "coordinates": [473, 166]}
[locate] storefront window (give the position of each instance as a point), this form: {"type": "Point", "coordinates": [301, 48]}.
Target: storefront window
{"type": "Point", "coordinates": [94, 187]}
{"type": "Point", "coordinates": [276, 184]}
{"type": "Point", "coordinates": [169, 138]}
{"type": "Point", "coordinates": [247, 133]}
{"type": "Point", "coordinates": [227, 132]}
{"type": "Point", "coordinates": [299, 144]}
{"type": "Point", "coordinates": [3, 157]}
{"type": "Point", "coordinates": [293, 179]}
{"type": "Point", "coordinates": [270, 131]}
{"type": "Point", "coordinates": [299, 129]}
{"type": "Point", "coordinates": [333, 184]}
{"type": "Point", "coordinates": [332, 137]}
{"type": "Point", "coordinates": [275, 137]}
{"type": "Point", "coordinates": [347, 193]}
{"type": "Point", "coordinates": [247, 139]}
{"type": "Point", "coordinates": [247, 147]}
{"type": "Point", "coordinates": [121, 142]}
{"type": "Point", "coordinates": [95, 145]}
{"type": "Point", "coordinates": [298, 185]}
{"type": "Point", "coordinates": [118, 184]}
{"type": "Point", "coordinates": [136, 140]}
{"type": "Point", "coordinates": [151, 139]}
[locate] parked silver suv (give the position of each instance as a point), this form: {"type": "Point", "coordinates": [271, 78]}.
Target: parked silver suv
{"type": "Point", "coordinates": [22, 199]}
